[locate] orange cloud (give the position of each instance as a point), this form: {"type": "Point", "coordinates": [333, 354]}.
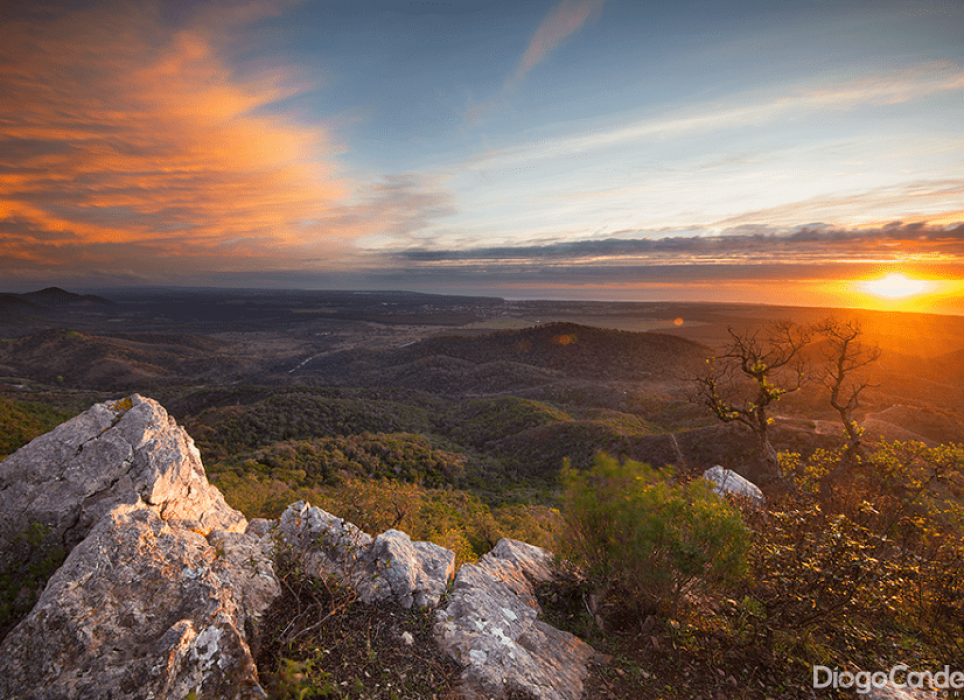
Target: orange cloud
{"type": "Point", "coordinates": [129, 144]}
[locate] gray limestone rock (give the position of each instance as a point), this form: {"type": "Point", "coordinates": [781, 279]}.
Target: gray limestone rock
{"type": "Point", "coordinates": [143, 609]}
{"type": "Point", "coordinates": [160, 593]}
{"type": "Point", "coordinates": [491, 627]}
{"type": "Point", "coordinates": [164, 584]}
{"type": "Point", "coordinates": [114, 453]}
{"type": "Point", "coordinates": [410, 572]}
{"type": "Point", "coordinates": [728, 481]}
{"type": "Point", "coordinates": [388, 566]}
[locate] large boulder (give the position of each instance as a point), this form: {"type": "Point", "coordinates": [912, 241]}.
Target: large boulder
{"type": "Point", "coordinates": [727, 481]}
{"type": "Point", "coordinates": [389, 566]}
{"type": "Point", "coordinates": [119, 452]}
{"type": "Point", "coordinates": [141, 609]}
{"type": "Point", "coordinates": [491, 627]}
{"type": "Point", "coordinates": [161, 591]}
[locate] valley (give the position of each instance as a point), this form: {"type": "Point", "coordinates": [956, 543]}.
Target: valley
{"type": "Point", "coordinates": [452, 418]}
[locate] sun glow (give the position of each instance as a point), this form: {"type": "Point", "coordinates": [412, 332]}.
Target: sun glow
{"type": "Point", "coordinates": [894, 286]}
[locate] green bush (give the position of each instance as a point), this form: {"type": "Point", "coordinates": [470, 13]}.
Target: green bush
{"type": "Point", "coordinates": [645, 540]}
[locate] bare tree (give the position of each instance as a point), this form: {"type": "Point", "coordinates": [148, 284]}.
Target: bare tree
{"type": "Point", "coordinates": [845, 354]}
{"type": "Point", "coordinates": [755, 369]}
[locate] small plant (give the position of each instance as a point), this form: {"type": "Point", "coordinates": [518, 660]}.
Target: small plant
{"type": "Point", "coordinates": [122, 405]}
{"type": "Point", "coordinates": [320, 641]}
{"type": "Point", "coordinates": [647, 541]}
{"type": "Point", "coordinates": [840, 577]}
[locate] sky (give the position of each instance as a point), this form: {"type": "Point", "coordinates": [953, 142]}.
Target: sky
{"type": "Point", "coordinates": [771, 152]}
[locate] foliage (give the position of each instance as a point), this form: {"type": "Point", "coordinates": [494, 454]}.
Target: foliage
{"type": "Point", "coordinates": [926, 480]}
{"type": "Point", "coordinates": [646, 540]}
{"type": "Point", "coordinates": [665, 414]}
{"type": "Point", "coordinates": [484, 421]}
{"type": "Point", "coordinates": [540, 453]}
{"type": "Point", "coordinates": [834, 575]}
{"type": "Point", "coordinates": [301, 415]}
{"type": "Point", "coordinates": [36, 557]}
{"type": "Point", "coordinates": [22, 421]}
{"type": "Point", "coordinates": [257, 495]}
{"type": "Point", "coordinates": [812, 566]}
{"type": "Point", "coordinates": [455, 519]}
{"type": "Point", "coordinates": [320, 461]}
{"type": "Point", "coordinates": [807, 475]}
{"type": "Point", "coordinates": [320, 642]}
{"type": "Point", "coordinates": [831, 586]}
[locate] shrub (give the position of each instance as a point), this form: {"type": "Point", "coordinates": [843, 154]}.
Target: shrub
{"type": "Point", "coordinates": [646, 540]}
{"type": "Point", "coordinates": [865, 565]}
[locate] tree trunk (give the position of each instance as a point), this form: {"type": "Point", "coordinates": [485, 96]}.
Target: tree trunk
{"type": "Point", "coordinates": [769, 453]}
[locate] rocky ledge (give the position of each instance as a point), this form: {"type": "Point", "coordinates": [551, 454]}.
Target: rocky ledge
{"type": "Point", "coordinates": [163, 584]}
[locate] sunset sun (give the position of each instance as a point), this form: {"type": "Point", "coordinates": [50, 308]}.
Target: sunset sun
{"type": "Point", "coordinates": [894, 286]}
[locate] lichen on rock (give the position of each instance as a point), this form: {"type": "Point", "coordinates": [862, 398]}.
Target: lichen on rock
{"type": "Point", "coordinates": [491, 626]}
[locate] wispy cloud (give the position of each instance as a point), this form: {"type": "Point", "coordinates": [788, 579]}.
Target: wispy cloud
{"type": "Point", "coordinates": [936, 201]}
{"type": "Point", "coordinates": [566, 18]}
{"type": "Point", "coordinates": [739, 111]}
{"type": "Point", "coordinates": [398, 210]}
{"type": "Point", "coordinates": [562, 21]}
{"type": "Point", "coordinates": [139, 143]}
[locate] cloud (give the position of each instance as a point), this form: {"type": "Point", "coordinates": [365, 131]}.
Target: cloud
{"type": "Point", "coordinates": [741, 247]}
{"type": "Point", "coordinates": [888, 88]}
{"type": "Point", "coordinates": [563, 20]}
{"type": "Point", "coordinates": [128, 142]}
{"type": "Point", "coordinates": [812, 265]}
{"type": "Point", "coordinates": [739, 111]}
{"type": "Point", "coordinates": [918, 201]}
{"type": "Point", "coordinates": [399, 210]}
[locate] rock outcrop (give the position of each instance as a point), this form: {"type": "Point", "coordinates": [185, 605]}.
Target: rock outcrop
{"type": "Point", "coordinates": [160, 588]}
{"type": "Point", "coordinates": [387, 566]}
{"type": "Point", "coordinates": [142, 609]}
{"type": "Point", "coordinates": [491, 627]}
{"type": "Point", "coordinates": [115, 453]}
{"type": "Point", "coordinates": [163, 585]}
{"type": "Point", "coordinates": [728, 481]}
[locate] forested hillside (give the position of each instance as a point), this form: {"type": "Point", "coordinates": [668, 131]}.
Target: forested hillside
{"type": "Point", "coordinates": [462, 440]}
